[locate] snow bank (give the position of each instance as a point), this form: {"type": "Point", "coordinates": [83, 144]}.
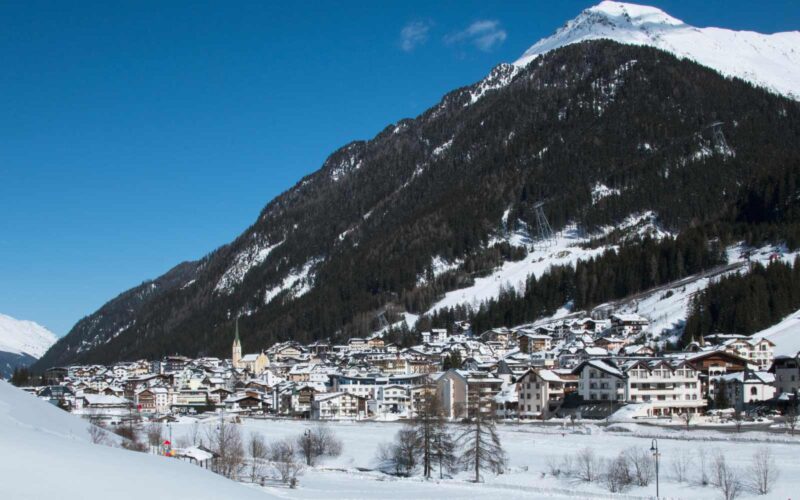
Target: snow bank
{"type": "Point", "coordinates": [46, 453]}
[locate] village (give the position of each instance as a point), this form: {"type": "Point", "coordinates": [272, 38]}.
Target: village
{"type": "Point", "coordinates": [577, 368]}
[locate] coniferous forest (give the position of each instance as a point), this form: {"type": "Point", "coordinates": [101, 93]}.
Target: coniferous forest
{"type": "Point", "coordinates": [745, 303]}
{"type": "Point", "coordinates": [369, 223]}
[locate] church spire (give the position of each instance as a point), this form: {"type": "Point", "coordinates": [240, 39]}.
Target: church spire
{"type": "Point", "coordinates": [236, 351]}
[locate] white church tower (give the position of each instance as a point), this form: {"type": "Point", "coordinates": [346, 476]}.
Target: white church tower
{"type": "Point", "coordinates": [236, 355]}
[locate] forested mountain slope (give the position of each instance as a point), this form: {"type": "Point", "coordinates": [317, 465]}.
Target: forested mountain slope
{"type": "Point", "coordinates": [362, 235]}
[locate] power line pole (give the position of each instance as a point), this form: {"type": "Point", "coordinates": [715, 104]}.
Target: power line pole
{"type": "Point", "coordinates": [718, 137]}
{"type": "Point", "coordinates": [545, 231]}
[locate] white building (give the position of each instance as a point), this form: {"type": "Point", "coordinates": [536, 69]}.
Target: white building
{"type": "Point", "coordinates": [338, 406]}
{"type": "Point", "coordinates": [748, 387]}
{"type": "Point", "coordinates": [434, 336]}
{"type": "Point", "coordinates": [541, 392]}
{"type": "Point", "coordinates": [787, 374]}
{"type": "Point", "coordinates": [670, 387]}
{"type": "Point", "coordinates": [759, 352]}
{"type": "Point", "coordinates": [628, 324]}
{"type": "Point", "coordinates": [600, 380]}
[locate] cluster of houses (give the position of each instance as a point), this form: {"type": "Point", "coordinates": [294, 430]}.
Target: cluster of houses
{"type": "Point", "coordinates": [580, 366]}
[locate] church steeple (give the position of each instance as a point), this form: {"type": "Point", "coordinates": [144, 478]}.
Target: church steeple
{"type": "Point", "coordinates": [236, 355]}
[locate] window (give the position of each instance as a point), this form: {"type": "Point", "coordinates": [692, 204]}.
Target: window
{"type": "Point", "coordinates": [753, 391]}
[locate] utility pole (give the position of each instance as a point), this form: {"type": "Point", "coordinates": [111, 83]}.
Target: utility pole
{"type": "Point", "coordinates": [545, 231]}
{"type": "Point", "coordinates": [439, 449]}
{"type": "Point", "coordinates": [656, 454]}
{"type": "Point", "coordinates": [718, 137]}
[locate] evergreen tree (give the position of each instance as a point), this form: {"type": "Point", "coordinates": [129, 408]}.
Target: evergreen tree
{"type": "Point", "coordinates": [435, 444]}
{"type": "Point", "coordinates": [480, 444]}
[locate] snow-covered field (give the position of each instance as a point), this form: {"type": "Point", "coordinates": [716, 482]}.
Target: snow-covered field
{"type": "Point", "coordinates": [47, 453]}
{"type": "Point", "coordinates": [530, 447]}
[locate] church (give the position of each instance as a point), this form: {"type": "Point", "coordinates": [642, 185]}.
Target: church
{"type": "Point", "coordinates": [256, 364]}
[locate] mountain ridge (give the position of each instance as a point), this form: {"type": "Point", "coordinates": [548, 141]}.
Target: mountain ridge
{"type": "Point", "coordinates": [350, 241]}
{"type": "Point", "coordinates": [771, 61]}
{"type": "Point", "coordinates": [22, 342]}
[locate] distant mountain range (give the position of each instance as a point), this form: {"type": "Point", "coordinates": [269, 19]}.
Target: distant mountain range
{"type": "Point", "coordinates": [21, 343]}
{"type": "Point", "coordinates": [608, 121]}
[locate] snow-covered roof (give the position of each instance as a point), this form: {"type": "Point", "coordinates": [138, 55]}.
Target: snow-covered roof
{"type": "Point", "coordinates": [104, 400]}
{"type": "Point", "coordinates": [604, 366]}
{"type": "Point", "coordinates": [194, 452]}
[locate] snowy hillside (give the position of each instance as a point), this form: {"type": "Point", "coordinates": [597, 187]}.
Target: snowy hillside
{"type": "Point", "coordinates": [785, 334]}
{"type": "Point", "coordinates": [770, 61]}
{"type": "Point", "coordinates": [24, 337]}
{"type": "Point", "coordinates": [47, 454]}
{"type": "Point", "coordinates": [566, 249]}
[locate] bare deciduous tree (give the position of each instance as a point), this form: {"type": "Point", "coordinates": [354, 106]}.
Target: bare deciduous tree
{"type": "Point", "coordinates": [681, 466]}
{"type": "Point", "coordinates": [318, 442]}
{"type": "Point", "coordinates": [130, 437]}
{"type": "Point", "coordinates": [763, 472]}
{"type": "Point", "coordinates": [226, 441]}
{"type": "Point", "coordinates": [738, 419]}
{"type": "Point", "coordinates": [791, 416]}
{"type": "Point", "coordinates": [718, 468]}
{"type": "Point", "coordinates": [283, 456]}
{"type": "Point", "coordinates": [194, 434]}
{"type": "Point", "coordinates": [256, 453]}
{"type": "Point", "coordinates": [687, 418]}
{"type": "Point", "coordinates": [731, 485]}
{"type": "Point", "coordinates": [587, 465]}
{"type": "Point", "coordinates": [617, 475]}
{"type": "Point", "coordinates": [702, 468]}
{"type": "Point", "coordinates": [641, 464]}
{"type": "Point", "coordinates": [97, 434]}
{"type": "Point", "coordinates": [400, 456]}
{"type": "Point", "coordinates": [725, 478]}
{"type": "Point", "coordinates": [155, 434]}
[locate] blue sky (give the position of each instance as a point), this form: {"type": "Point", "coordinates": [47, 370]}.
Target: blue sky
{"type": "Point", "coordinates": [135, 135]}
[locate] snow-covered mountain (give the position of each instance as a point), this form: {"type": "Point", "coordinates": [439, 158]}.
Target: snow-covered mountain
{"type": "Point", "coordinates": [438, 211]}
{"type": "Point", "coordinates": [770, 61]}
{"type": "Point", "coordinates": [24, 337]}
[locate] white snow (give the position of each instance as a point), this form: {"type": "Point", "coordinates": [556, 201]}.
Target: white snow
{"type": "Point", "coordinates": [785, 335]}
{"type": "Point", "coordinates": [640, 224]}
{"type": "Point", "coordinates": [299, 281]}
{"type": "Point", "coordinates": [498, 78]}
{"type": "Point", "coordinates": [24, 337]}
{"type": "Point", "coordinates": [668, 307]}
{"type": "Point", "coordinates": [600, 191]}
{"type": "Point", "coordinates": [439, 265]}
{"type": "Point", "coordinates": [244, 261]}
{"type": "Point", "coordinates": [441, 149]}
{"type": "Point", "coordinates": [529, 447]}
{"type": "Point", "coordinates": [349, 164]}
{"type": "Point", "coordinates": [770, 61]}
{"type": "Point", "coordinates": [47, 453]}
{"type": "Point", "coordinates": [565, 250]}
